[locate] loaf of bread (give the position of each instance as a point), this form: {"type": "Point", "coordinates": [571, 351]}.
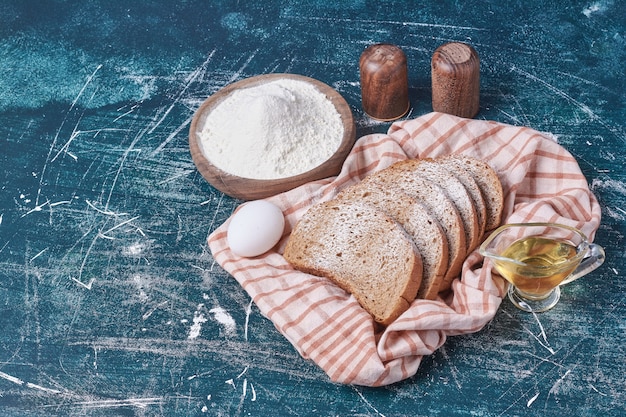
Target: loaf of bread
{"type": "Point", "coordinates": [401, 233]}
{"type": "Point", "coordinates": [363, 251]}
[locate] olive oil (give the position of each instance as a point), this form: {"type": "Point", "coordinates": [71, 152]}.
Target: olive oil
{"type": "Point", "coordinates": [542, 264]}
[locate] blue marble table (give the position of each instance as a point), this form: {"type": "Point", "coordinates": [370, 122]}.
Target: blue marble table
{"type": "Point", "coordinates": [110, 301]}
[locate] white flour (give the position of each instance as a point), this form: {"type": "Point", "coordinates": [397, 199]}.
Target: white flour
{"type": "Point", "coordinates": [273, 130]}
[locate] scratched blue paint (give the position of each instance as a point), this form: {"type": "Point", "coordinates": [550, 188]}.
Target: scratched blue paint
{"type": "Point", "coordinates": [110, 301]}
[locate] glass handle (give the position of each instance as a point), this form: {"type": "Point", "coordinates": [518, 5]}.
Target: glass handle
{"type": "Point", "coordinates": [593, 260]}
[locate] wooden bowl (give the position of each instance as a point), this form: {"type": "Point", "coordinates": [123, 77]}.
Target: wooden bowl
{"type": "Point", "coordinates": [254, 189]}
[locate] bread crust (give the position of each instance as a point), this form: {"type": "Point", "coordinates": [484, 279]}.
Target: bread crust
{"type": "Point", "coordinates": [434, 198]}
{"type": "Point", "coordinates": [420, 224]}
{"type": "Point", "coordinates": [489, 183]}
{"type": "Point", "coordinates": [474, 191]}
{"type": "Point", "coordinates": [363, 251]}
{"type": "Point", "coordinates": [436, 172]}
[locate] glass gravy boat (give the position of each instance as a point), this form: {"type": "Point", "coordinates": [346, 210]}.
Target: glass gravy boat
{"type": "Point", "coordinates": [535, 258]}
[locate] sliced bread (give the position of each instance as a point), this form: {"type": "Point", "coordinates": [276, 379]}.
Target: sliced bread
{"type": "Point", "coordinates": [435, 199]}
{"type": "Point", "coordinates": [456, 192]}
{"type": "Point", "coordinates": [489, 183]}
{"type": "Point", "coordinates": [401, 233]}
{"type": "Point", "coordinates": [363, 251]}
{"type": "Point", "coordinates": [473, 190]}
{"type": "Point", "coordinates": [421, 225]}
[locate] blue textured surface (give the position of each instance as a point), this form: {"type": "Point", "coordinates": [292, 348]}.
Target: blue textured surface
{"type": "Point", "coordinates": [110, 302]}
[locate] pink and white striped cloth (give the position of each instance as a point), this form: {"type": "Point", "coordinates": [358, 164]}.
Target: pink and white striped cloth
{"type": "Point", "coordinates": [541, 182]}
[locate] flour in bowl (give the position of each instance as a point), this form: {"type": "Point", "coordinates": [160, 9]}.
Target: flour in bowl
{"type": "Point", "coordinates": [273, 130]}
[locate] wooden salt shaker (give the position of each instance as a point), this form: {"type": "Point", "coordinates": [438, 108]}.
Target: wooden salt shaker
{"type": "Point", "coordinates": [456, 80]}
{"type": "Point", "coordinates": [384, 82]}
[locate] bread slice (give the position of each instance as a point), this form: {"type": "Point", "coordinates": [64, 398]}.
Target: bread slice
{"type": "Point", "coordinates": [470, 184]}
{"type": "Point", "coordinates": [363, 251]}
{"type": "Point", "coordinates": [456, 192]}
{"type": "Point", "coordinates": [435, 199]}
{"type": "Point", "coordinates": [420, 224]}
{"type": "Point", "coordinates": [489, 184]}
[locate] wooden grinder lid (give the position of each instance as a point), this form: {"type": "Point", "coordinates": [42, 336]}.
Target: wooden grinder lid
{"type": "Point", "coordinates": [456, 80]}
{"type": "Point", "coordinates": [384, 82]}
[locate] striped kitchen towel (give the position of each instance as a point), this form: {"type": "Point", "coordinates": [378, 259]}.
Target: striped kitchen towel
{"type": "Point", "coordinates": [541, 182]}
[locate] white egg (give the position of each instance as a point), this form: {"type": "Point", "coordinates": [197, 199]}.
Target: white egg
{"type": "Point", "coordinates": [255, 228]}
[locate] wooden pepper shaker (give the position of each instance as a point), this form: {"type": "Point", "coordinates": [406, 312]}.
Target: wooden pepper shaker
{"type": "Point", "coordinates": [456, 80]}
{"type": "Point", "coordinates": [384, 82]}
